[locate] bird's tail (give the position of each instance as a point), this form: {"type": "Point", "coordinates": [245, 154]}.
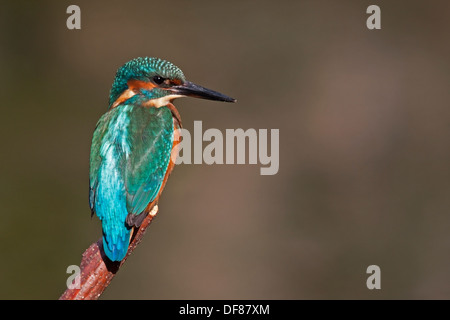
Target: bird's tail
{"type": "Point", "coordinates": [116, 247]}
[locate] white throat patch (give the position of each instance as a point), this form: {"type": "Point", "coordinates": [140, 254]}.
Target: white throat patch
{"type": "Point", "coordinates": [163, 101]}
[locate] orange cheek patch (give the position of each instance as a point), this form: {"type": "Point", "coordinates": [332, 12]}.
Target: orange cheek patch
{"type": "Point", "coordinates": [127, 94]}
{"type": "Point", "coordinates": [133, 88]}
{"type": "Point", "coordinates": [138, 84]}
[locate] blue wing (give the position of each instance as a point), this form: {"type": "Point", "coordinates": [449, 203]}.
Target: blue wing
{"type": "Point", "coordinates": [130, 154]}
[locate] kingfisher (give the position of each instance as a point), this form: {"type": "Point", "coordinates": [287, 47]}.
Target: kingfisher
{"type": "Point", "coordinates": [134, 146]}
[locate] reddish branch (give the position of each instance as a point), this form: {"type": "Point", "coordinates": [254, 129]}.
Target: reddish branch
{"type": "Point", "coordinates": [97, 271]}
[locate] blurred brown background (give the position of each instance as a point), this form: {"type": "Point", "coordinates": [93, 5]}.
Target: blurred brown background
{"type": "Point", "coordinates": [364, 148]}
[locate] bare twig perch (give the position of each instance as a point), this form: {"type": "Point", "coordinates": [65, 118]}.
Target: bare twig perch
{"type": "Point", "coordinates": [97, 270]}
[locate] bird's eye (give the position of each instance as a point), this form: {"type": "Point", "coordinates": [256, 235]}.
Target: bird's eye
{"type": "Point", "coordinates": [158, 79]}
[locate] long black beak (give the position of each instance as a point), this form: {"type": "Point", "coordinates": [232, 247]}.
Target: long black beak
{"type": "Point", "coordinates": [190, 89]}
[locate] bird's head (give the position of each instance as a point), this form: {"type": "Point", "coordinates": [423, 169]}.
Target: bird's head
{"type": "Point", "coordinates": [157, 82]}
